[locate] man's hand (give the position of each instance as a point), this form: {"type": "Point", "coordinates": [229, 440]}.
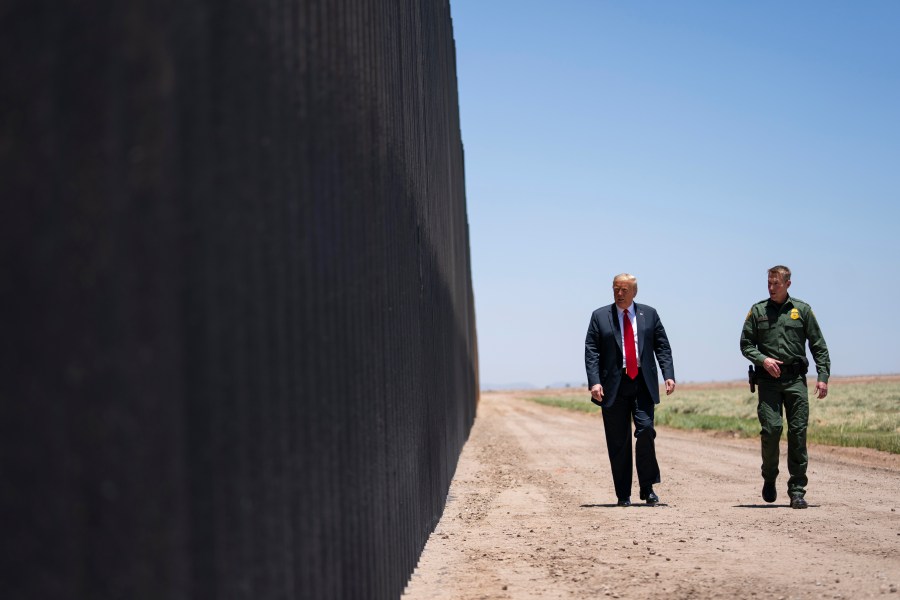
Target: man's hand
{"type": "Point", "coordinates": [597, 392]}
{"type": "Point", "coordinates": [821, 389]}
{"type": "Point", "coordinates": [670, 386]}
{"type": "Point", "coordinates": [772, 367]}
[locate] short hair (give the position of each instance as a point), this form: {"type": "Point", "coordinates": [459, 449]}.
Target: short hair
{"type": "Point", "coordinates": [782, 271]}
{"type": "Point", "coordinates": [625, 277]}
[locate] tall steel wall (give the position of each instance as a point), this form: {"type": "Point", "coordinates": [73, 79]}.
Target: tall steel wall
{"type": "Point", "coordinates": [238, 342]}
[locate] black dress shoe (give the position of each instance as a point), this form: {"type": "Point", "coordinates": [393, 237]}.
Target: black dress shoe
{"type": "Point", "coordinates": [769, 493]}
{"type": "Point", "coordinates": [624, 502]}
{"type": "Point", "coordinates": [797, 501]}
{"type": "Point", "coordinates": [648, 495]}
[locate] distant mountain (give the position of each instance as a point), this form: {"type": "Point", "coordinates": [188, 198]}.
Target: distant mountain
{"type": "Point", "coordinates": [507, 386]}
{"type": "Point", "coordinates": [571, 384]}
{"type": "Point", "coordinates": [530, 386]}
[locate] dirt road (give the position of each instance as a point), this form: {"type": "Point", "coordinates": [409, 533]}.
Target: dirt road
{"type": "Point", "coordinates": [532, 514]}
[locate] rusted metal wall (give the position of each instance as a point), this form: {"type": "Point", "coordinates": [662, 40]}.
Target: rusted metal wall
{"type": "Point", "coordinates": [238, 343]}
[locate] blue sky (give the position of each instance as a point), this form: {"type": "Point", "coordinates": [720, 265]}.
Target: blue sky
{"type": "Point", "coordinates": [693, 144]}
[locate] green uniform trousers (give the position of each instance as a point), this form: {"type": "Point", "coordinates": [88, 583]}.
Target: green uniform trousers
{"type": "Point", "coordinates": [790, 393]}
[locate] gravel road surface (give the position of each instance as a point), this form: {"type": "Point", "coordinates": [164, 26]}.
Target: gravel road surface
{"type": "Point", "coordinates": [531, 514]}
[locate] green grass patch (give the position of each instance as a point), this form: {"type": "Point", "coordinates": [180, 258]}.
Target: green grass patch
{"type": "Point", "coordinates": [836, 436]}
{"type": "Point", "coordinates": [568, 402]}
{"type": "Point", "coordinates": [855, 413]}
{"type": "Point", "coordinates": [742, 427]}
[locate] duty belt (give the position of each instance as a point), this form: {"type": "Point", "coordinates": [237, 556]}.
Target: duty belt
{"type": "Point", "coordinates": [791, 369]}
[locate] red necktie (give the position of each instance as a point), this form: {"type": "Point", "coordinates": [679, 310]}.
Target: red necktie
{"type": "Point", "coordinates": [631, 366]}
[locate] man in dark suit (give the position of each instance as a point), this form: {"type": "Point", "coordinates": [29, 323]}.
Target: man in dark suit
{"type": "Point", "coordinates": [622, 341]}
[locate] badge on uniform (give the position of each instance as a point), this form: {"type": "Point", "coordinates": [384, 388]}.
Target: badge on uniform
{"type": "Point", "coordinates": [795, 314]}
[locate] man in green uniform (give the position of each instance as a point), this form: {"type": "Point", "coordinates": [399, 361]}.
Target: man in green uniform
{"type": "Point", "coordinates": [774, 339]}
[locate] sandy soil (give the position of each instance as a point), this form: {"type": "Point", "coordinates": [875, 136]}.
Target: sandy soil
{"type": "Point", "coordinates": [531, 514]}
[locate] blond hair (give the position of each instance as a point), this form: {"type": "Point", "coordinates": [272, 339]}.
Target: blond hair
{"type": "Point", "coordinates": [626, 277]}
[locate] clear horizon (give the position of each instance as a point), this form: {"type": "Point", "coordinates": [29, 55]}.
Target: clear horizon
{"type": "Point", "coordinates": [525, 386]}
{"type": "Point", "coordinates": [693, 144]}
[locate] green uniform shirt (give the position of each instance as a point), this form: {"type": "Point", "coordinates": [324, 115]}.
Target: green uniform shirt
{"type": "Point", "coordinates": [781, 332]}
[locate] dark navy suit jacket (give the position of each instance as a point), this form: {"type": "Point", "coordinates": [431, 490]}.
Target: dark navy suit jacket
{"type": "Point", "coordinates": [603, 351]}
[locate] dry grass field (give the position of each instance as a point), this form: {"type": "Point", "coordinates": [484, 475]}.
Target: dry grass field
{"type": "Point", "coordinates": [858, 411]}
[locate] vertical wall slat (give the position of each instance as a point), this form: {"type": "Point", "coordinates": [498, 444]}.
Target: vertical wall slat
{"type": "Point", "coordinates": [238, 354]}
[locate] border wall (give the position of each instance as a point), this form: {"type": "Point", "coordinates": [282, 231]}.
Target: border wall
{"type": "Point", "coordinates": [238, 338]}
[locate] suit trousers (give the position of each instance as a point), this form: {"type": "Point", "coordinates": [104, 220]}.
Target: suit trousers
{"type": "Point", "coordinates": [633, 403]}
